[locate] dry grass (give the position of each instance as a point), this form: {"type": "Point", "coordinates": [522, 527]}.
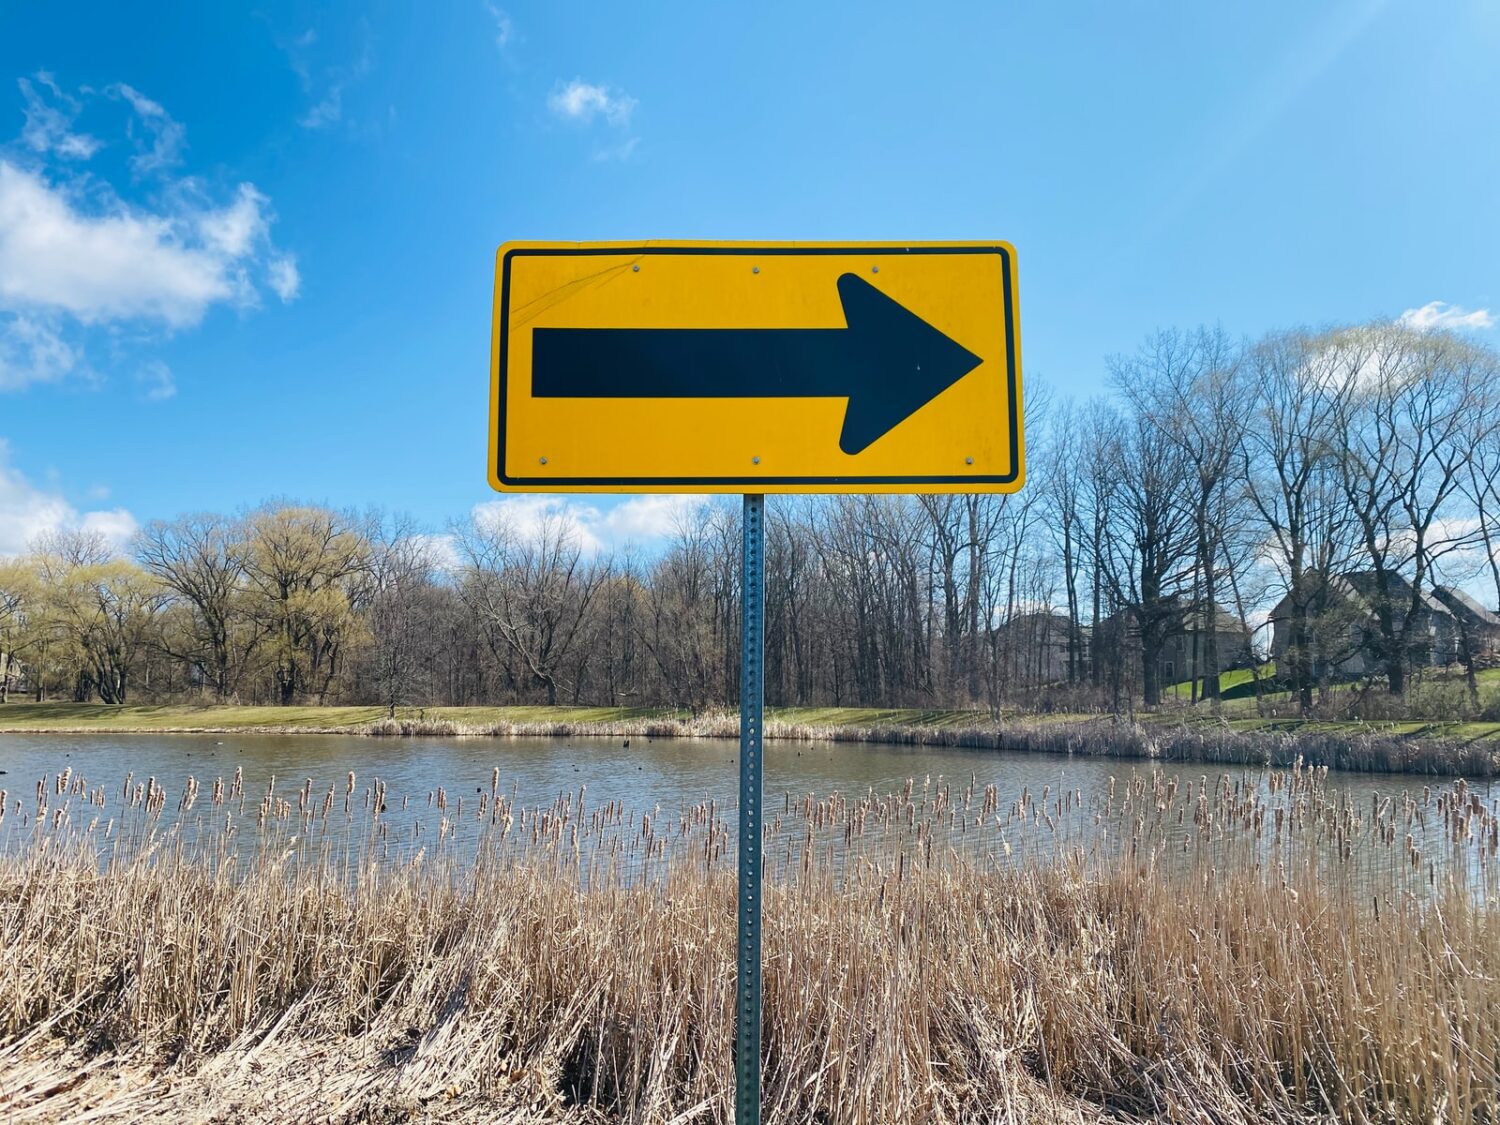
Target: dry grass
{"type": "Point", "coordinates": [1243, 948]}
{"type": "Point", "coordinates": [1449, 750]}
{"type": "Point", "coordinates": [1344, 747]}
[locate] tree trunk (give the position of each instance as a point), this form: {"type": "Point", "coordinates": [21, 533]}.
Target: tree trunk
{"type": "Point", "coordinates": [1208, 655]}
{"type": "Point", "coordinates": [1150, 675]}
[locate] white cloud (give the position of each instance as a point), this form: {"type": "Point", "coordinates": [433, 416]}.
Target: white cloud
{"type": "Point", "coordinates": [529, 518]}
{"type": "Point", "coordinates": [112, 261]}
{"type": "Point", "coordinates": [27, 511]}
{"type": "Point", "coordinates": [116, 526]}
{"type": "Point", "coordinates": [233, 231]}
{"type": "Point", "coordinates": [165, 137]}
{"type": "Point", "coordinates": [643, 518]}
{"type": "Point", "coordinates": [283, 277]}
{"type": "Point", "coordinates": [75, 254]}
{"type": "Point", "coordinates": [442, 550]}
{"type": "Point", "coordinates": [504, 28]}
{"type": "Point", "coordinates": [49, 124]}
{"type": "Point", "coordinates": [32, 350]}
{"type": "Point", "coordinates": [1440, 314]}
{"type": "Point", "coordinates": [641, 521]}
{"type": "Point", "coordinates": [583, 101]}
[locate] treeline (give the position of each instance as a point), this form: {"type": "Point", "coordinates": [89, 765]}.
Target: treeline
{"type": "Point", "coordinates": [1219, 478]}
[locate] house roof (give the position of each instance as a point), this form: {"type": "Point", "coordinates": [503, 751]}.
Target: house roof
{"type": "Point", "coordinates": [1226, 622]}
{"type": "Point", "coordinates": [1367, 583]}
{"type": "Point", "coordinates": [1363, 587]}
{"type": "Point", "coordinates": [1461, 605]}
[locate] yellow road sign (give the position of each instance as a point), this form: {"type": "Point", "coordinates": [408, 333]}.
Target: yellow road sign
{"type": "Point", "coordinates": [755, 367]}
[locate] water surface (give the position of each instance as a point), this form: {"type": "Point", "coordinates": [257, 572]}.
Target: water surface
{"type": "Point", "coordinates": [638, 798]}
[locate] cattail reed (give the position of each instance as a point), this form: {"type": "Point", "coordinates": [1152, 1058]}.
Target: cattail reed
{"type": "Point", "coordinates": [1233, 947]}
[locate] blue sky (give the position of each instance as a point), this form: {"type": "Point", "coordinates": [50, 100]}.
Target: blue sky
{"type": "Point", "coordinates": [247, 252]}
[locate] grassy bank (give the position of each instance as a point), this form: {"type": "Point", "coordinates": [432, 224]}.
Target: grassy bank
{"type": "Point", "coordinates": [1439, 749]}
{"type": "Point", "coordinates": [1225, 952]}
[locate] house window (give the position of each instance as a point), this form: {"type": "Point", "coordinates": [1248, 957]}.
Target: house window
{"type": "Point", "coordinates": [1171, 672]}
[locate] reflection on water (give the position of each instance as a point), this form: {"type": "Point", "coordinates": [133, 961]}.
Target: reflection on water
{"type": "Point", "coordinates": [609, 809]}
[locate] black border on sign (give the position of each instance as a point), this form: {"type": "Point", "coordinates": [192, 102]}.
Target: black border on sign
{"type": "Point", "coordinates": [758, 484]}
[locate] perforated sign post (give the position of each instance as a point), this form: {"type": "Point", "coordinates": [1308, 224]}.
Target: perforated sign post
{"type": "Point", "coordinates": [752, 368]}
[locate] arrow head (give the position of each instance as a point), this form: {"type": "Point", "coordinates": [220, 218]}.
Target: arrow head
{"type": "Point", "coordinates": [901, 363]}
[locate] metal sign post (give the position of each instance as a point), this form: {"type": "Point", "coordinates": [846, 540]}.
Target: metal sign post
{"type": "Point", "coordinates": [752, 656]}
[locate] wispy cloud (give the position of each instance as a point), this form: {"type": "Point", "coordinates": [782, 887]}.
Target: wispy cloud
{"type": "Point", "coordinates": [621, 151]}
{"type": "Point", "coordinates": [283, 277]}
{"type": "Point", "coordinates": [75, 255]}
{"type": "Point", "coordinates": [584, 102]}
{"type": "Point", "coordinates": [1440, 314]}
{"type": "Point", "coordinates": [156, 381]}
{"type": "Point", "coordinates": [50, 115]}
{"type": "Point", "coordinates": [327, 84]}
{"type": "Point", "coordinates": [161, 147]}
{"type": "Point", "coordinates": [32, 350]}
{"type": "Point", "coordinates": [505, 29]}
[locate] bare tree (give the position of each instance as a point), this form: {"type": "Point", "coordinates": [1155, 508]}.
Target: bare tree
{"type": "Point", "coordinates": [201, 559]}
{"type": "Point", "coordinates": [402, 607]}
{"type": "Point", "coordinates": [1153, 538]}
{"type": "Point", "coordinates": [1406, 423]}
{"type": "Point", "coordinates": [1189, 386]}
{"type": "Point", "coordinates": [1063, 487]}
{"type": "Point", "coordinates": [1290, 461]}
{"type": "Point", "coordinates": [533, 590]}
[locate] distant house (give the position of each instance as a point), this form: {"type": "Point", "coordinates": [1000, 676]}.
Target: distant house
{"type": "Point", "coordinates": [1473, 622]}
{"type": "Point", "coordinates": [1344, 625]}
{"type": "Point", "coordinates": [1038, 643]}
{"type": "Point", "coordinates": [1185, 655]}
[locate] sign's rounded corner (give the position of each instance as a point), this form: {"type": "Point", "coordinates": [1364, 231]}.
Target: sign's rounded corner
{"type": "Point", "coordinates": [503, 254]}
{"type": "Point", "coordinates": [498, 480]}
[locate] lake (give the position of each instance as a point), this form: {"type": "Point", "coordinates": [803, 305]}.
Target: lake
{"type": "Point", "coordinates": [846, 798]}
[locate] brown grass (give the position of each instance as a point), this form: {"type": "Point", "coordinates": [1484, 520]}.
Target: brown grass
{"type": "Point", "coordinates": [1435, 749]}
{"type": "Point", "coordinates": [1232, 949]}
{"type": "Point", "coordinates": [1372, 750]}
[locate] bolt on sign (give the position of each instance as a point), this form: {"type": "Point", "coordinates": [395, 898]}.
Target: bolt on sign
{"type": "Point", "coordinates": [755, 367]}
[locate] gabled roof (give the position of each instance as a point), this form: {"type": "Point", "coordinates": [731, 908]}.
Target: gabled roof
{"type": "Point", "coordinates": [1366, 585]}
{"type": "Point", "coordinates": [1461, 605]}
{"type": "Point", "coordinates": [1362, 587]}
{"type": "Point", "coordinates": [1226, 621]}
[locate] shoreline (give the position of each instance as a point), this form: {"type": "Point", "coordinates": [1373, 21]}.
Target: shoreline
{"type": "Point", "coordinates": [1167, 738]}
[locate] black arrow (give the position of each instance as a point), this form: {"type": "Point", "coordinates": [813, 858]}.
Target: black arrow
{"type": "Point", "coordinates": [888, 362]}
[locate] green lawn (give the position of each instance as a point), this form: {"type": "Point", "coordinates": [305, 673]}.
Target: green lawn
{"type": "Point", "coordinates": [1238, 693]}
{"type": "Point", "coordinates": [38, 717]}
{"type": "Point", "coordinates": [55, 716]}
{"type": "Point", "coordinates": [1237, 683]}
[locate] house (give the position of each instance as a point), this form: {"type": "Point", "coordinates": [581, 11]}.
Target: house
{"type": "Point", "coordinates": [1474, 624]}
{"type": "Point", "coordinates": [1185, 654]}
{"type": "Point", "coordinates": [1344, 624]}
{"type": "Point", "coordinates": [1038, 645]}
